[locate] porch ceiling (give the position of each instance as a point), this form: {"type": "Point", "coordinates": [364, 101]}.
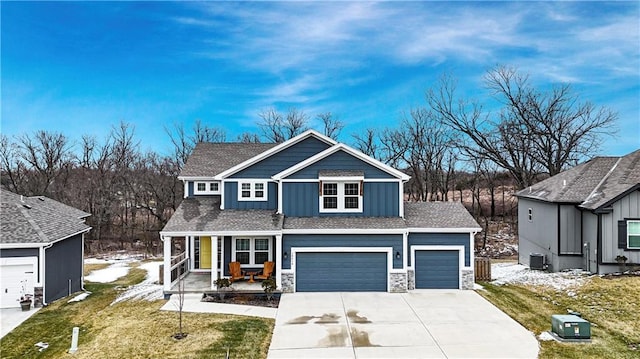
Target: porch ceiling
{"type": "Point", "coordinates": [203, 214]}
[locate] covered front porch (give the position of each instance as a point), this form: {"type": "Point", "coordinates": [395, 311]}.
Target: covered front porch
{"type": "Point", "coordinates": [195, 282]}
{"type": "Point", "coordinates": [197, 261]}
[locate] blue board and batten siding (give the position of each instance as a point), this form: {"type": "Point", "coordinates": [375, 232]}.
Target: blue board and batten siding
{"type": "Point", "coordinates": [340, 161]}
{"type": "Point", "coordinates": [63, 268]}
{"type": "Point", "coordinates": [284, 159]}
{"type": "Point", "coordinates": [441, 239]}
{"type": "Point", "coordinates": [231, 198]}
{"type": "Point", "coordinates": [302, 199]}
{"type": "Point", "coordinates": [341, 272]}
{"type": "Point", "coordinates": [342, 240]}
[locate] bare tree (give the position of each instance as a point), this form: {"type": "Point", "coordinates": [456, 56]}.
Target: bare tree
{"type": "Point", "coordinates": [248, 137]}
{"type": "Point", "coordinates": [49, 155]}
{"type": "Point", "coordinates": [535, 132]}
{"type": "Point", "coordinates": [331, 125]}
{"type": "Point", "coordinates": [278, 128]}
{"type": "Point", "coordinates": [425, 146]}
{"type": "Point", "coordinates": [563, 129]}
{"type": "Point", "coordinates": [183, 142]}
{"type": "Point", "coordinates": [367, 143]}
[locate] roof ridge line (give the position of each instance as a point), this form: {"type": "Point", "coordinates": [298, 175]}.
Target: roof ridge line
{"type": "Point", "coordinates": [33, 223]}
{"type": "Point", "coordinates": [597, 187]}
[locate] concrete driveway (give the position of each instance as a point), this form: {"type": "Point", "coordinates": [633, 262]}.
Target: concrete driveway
{"type": "Point", "coordinates": [420, 324]}
{"type": "Point", "coordinates": [11, 318]}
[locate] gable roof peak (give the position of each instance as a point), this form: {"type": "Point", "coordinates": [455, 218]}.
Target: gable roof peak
{"type": "Point", "coordinates": [275, 149]}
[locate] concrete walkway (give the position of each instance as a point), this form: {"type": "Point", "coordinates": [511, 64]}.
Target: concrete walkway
{"type": "Point", "coordinates": [11, 318]}
{"type": "Point", "coordinates": [193, 304]}
{"type": "Point", "coordinates": [420, 324]}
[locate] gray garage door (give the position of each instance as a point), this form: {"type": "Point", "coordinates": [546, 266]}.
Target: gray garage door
{"type": "Point", "coordinates": [341, 272]}
{"type": "Point", "coordinates": [437, 269]}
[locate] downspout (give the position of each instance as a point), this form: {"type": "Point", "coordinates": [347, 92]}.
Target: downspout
{"type": "Point", "coordinates": [43, 272]}
{"type": "Point", "coordinates": [599, 246]}
{"type": "Point", "coordinates": [82, 266]}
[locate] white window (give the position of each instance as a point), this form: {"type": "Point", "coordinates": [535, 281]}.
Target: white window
{"type": "Point", "coordinates": [251, 252]}
{"type": "Point", "coordinates": [206, 187]}
{"type": "Point", "coordinates": [252, 191]}
{"type": "Point", "coordinates": [530, 214]}
{"type": "Point", "coordinates": [340, 196]}
{"type": "Point", "coordinates": [633, 234]}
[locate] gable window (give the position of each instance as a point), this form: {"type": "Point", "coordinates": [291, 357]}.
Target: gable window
{"type": "Point", "coordinates": [530, 214]}
{"type": "Point", "coordinates": [252, 191]}
{"type": "Point", "coordinates": [337, 196]}
{"type": "Point", "coordinates": [251, 252]}
{"type": "Point", "coordinates": [633, 234]}
{"type": "Point", "coordinates": [206, 188]}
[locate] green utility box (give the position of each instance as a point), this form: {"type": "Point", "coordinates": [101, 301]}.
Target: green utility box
{"type": "Point", "coordinates": [570, 327]}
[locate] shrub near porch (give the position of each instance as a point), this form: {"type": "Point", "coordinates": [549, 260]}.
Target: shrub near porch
{"type": "Point", "coordinates": [134, 329]}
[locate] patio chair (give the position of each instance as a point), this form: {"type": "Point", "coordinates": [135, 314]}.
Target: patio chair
{"type": "Point", "coordinates": [267, 271]}
{"type": "Point", "coordinates": [236, 272]}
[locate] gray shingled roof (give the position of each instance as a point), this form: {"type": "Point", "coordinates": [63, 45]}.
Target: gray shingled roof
{"type": "Point", "coordinates": [209, 159]}
{"type": "Point", "coordinates": [203, 214]}
{"type": "Point", "coordinates": [37, 219]}
{"type": "Point", "coordinates": [344, 223]}
{"type": "Point", "coordinates": [438, 215]}
{"type": "Point", "coordinates": [592, 184]}
{"type": "Point", "coordinates": [341, 173]}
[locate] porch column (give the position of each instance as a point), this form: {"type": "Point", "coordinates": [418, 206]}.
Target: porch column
{"type": "Point", "coordinates": [167, 262]}
{"type": "Point", "coordinates": [405, 250]}
{"type": "Point", "coordinates": [214, 261]}
{"type": "Point", "coordinates": [279, 260]}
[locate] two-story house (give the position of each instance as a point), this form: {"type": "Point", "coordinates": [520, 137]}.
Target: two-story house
{"type": "Point", "coordinates": [328, 216]}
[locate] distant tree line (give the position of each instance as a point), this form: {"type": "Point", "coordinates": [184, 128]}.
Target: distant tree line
{"type": "Point", "coordinates": [452, 147]}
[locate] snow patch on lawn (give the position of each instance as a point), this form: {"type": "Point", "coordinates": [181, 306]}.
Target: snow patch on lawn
{"type": "Point", "coordinates": [79, 297]}
{"type": "Point", "coordinates": [148, 289]}
{"type": "Point", "coordinates": [545, 336]}
{"type": "Point", "coordinates": [109, 274]}
{"type": "Point", "coordinates": [513, 273]}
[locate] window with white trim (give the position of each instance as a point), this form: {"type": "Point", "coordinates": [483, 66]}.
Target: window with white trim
{"type": "Point", "coordinates": [251, 252]}
{"type": "Point", "coordinates": [206, 187]}
{"type": "Point", "coordinates": [340, 196]}
{"type": "Point", "coordinates": [252, 191]}
{"type": "Point", "coordinates": [633, 234]}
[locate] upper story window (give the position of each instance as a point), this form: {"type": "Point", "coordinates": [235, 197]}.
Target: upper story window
{"type": "Point", "coordinates": [252, 191]}
{"type": "Point", "coordinates": [206, 187]}
{"type": "Point", "coordinates": [341, 196]}
{"type": "Point", "coordinates": [530, 214]}
{"type": "Point", "coordinates": [633, 234]}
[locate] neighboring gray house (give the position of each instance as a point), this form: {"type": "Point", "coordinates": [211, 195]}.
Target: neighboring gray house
{"type": "Point", "coordinates": [328, 216]}
{"type": "Point", "coordinates": [41, 248]}
{"type": "Point", "coordinates": [584, 217]}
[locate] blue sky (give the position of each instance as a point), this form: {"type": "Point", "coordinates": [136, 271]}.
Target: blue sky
{"type": "Point", "coordinates": [82, 67]}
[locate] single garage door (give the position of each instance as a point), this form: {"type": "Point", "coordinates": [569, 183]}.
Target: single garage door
{"type": "Point", "coordinates": [12, 278]}
{"type": "Point", "coordinates": [437, 269]}
{"type": "Point", "coordinates": [341, 272]}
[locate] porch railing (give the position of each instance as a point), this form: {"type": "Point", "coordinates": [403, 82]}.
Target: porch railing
{"type": "Point", "coordinates": [179, 267]}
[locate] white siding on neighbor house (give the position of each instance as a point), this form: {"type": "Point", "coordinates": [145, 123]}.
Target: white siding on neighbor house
{"type": "Point", "coordinates": [626, 207]}
{"type": "Point", "coordinates": [540, 234]}
{"type": "Point", "coordinates": [570, 230]}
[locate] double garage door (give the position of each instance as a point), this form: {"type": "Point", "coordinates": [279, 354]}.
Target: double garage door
{"type": "Point", "coordinates": [341, 272]}
{"type": "Point", "coordinates": [437, 269]}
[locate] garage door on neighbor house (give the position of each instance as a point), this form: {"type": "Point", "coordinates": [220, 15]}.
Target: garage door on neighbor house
{"type": "Point", "coordinates": [16, 273]}
{"type": "Point", "coordinates": [341, 272]}
{"type": "Point", "coordinates": [437, 269]}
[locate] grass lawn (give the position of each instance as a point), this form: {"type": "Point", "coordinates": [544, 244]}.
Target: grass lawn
{"type": "Point", "coordinates": [611, 305]}
{"type": "Point", "coordinates": [134, 329]}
